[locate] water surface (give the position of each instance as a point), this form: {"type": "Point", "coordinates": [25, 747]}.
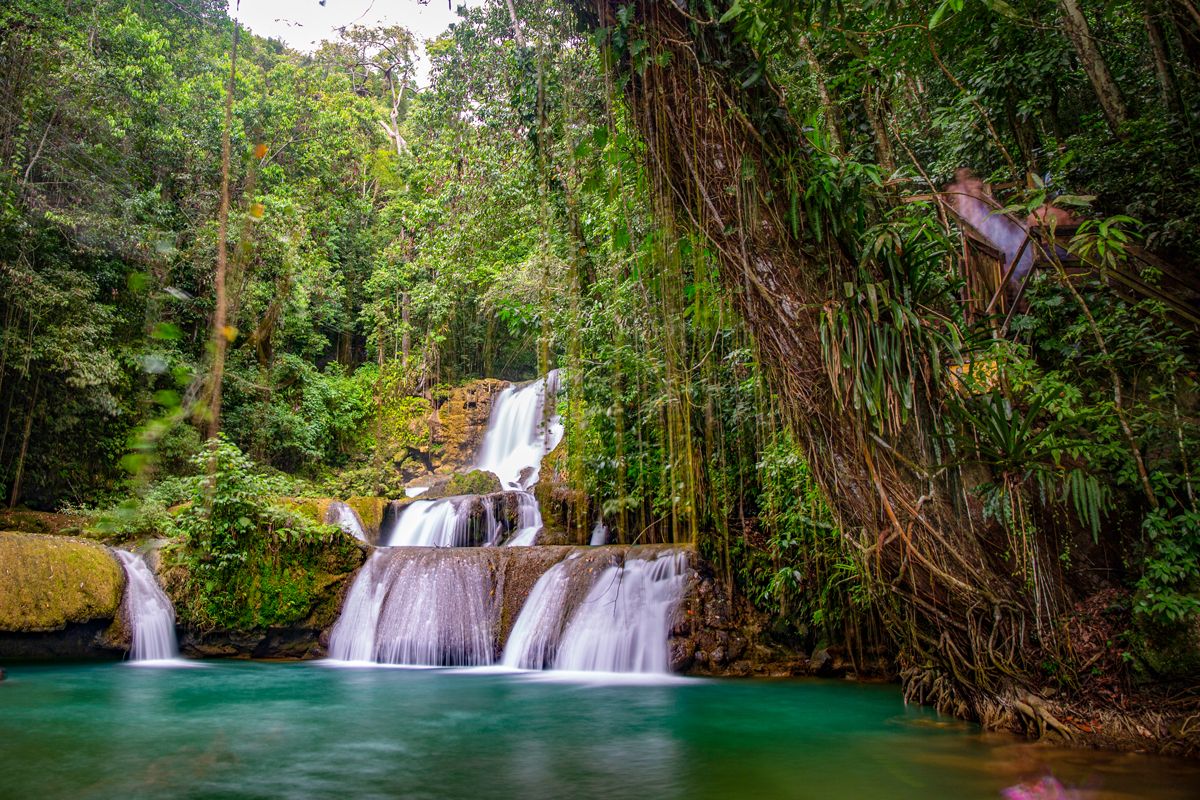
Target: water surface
{"type": "Point", "coordinates": [250, 730]}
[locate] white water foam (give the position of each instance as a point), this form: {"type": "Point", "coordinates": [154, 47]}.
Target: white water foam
{"type": "Point", "coordinates": [148, 611]}
{"type": "Point", "coordinates": [622, 625]}
{"type": "Point", "coordinates": [347, 519]}
{"type": "Point", "coordinates": [429, 523]}
{"type": "Point", "coordinates": [432, 608]}
{"type": "Point", "coordinates": [520, 433]}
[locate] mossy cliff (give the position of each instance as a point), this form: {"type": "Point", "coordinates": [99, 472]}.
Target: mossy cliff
{"type": "Point", "coordinates": [274, 605]}
{"type": "Point", "coordinates": [59, 596]}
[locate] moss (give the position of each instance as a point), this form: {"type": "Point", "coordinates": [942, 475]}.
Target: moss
{"type": "Point", "coordinates": [311, 508]}
{"type": "Point", "coordinates": [370, 512]}
{"type": "Point", "coordinates": [474, 482]}
{"type": "Point", "coordinates": [283, 582]}
{"type": "Point", "coordinates": [50, 581]}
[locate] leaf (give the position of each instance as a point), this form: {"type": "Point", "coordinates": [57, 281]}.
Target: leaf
{"type": "Point", "coordinates": [1002, 8]}
{"type": "Point", "coordinates": [734, 12]}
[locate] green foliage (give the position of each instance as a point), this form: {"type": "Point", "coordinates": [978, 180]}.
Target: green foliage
{"type": "Point", "coordinates": [810, 568]}
{"type": "Point", "coordinates": [249, 563]}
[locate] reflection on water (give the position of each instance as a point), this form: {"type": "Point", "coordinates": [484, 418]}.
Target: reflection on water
{"type": "Point", "coordinates": [304, 730]}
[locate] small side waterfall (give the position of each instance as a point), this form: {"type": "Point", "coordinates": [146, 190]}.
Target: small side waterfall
{"type": "Point", "coordinates": [416, 607]}
{"type": "Point", "coordinates": [519, 434]}
{"type": "Point", "coordinates": [148, 611]}
{"type": "Point", "coordinates": [529, 521]}
{"type": "Point", "coordinates": [623, 624]}
{"type": "Point", "coordinates": [599, 534]}
{"type": "Point", "coordinates": [347, 519]}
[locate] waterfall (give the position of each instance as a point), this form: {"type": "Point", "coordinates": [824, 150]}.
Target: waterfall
{"type": "Point", "coordinates": [419, 607]}
{"type": "Point", "coordinates": [624, 622]}
{"type": "Point", "coordinates": [599, 534]}
{"type": "Point", "coordinates": [491, 523]}
{"type": "Point", "coordinates": [533, 642]}
{"type": "Point", "coordinates": [347, 519]}
{"type": "Point", "coordinates": [529, 521]}
{"type": "Point", "coordinates": [430, 523]}
{"type": "Point", "coordinates": [415, 491]}
{"type": "Point", "coordinates": [519, 435]}
{"type": "Point", "coordinates": [149, 613]}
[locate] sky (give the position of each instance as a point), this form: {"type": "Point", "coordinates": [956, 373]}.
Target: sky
{"type": "Point", "coordinates": [304, 23]}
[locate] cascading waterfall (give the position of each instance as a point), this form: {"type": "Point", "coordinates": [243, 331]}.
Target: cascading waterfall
{"type": "Point", "coordinates": [492, 527]}
{"type": "Point", "coordinates": [347, 519]}
{"type": "Point", "coordinates": [599, 534]}
{"type": "Point", "coordinates": [622, 625]}
{"type": "Point", "coordinates": [624, 622]}
{"type": "Point", "coordinates": [419, 607]}
{"type": "Point", "coordinates": [414, 605]}
{"type": "Point", "coordinates": [148, 611]}
{"type": "Point", "coordinates": [519, 434]}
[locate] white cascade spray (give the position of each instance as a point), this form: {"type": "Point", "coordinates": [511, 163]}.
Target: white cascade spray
{"type": "Point", "coordinates": [529, 521]}
{"type": "Point", "coordinates": [624, 623]}
{"type": "Point", "coordinates": [533, 642]}
{"type": "Point", "coordinates": [491, 523]}
{"type": "Point", "coordinates": [519, 434]}
{"type": "Point", "coordinates": [347, 519]}
{"type": "Point", "coordinates": [430, 523]}
{"type": "Point", "coordinates": [149, 612]}
{"type": "Point", "coordinates": [419, 607]}
{"type": "Point", "coordinates": [599, 534]}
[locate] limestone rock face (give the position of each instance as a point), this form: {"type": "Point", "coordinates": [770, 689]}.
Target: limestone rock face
{"type": "Point", "coordinates": [48, 582]}
{"type": "Point", "coordinates": [461, 422]}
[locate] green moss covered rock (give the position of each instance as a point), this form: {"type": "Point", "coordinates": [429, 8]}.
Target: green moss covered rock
{"type": "Point", "coordinates": [47, 582]}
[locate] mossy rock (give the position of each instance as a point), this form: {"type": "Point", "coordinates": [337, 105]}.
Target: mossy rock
{"type": "Point", "coordinates": [370, 512]}
{"type": "Point", "coordinates": [476, 481]}
{"type": "Point", "coordinates": [311, 508]}
{"type": "Point", "coordinates": [49, 582]}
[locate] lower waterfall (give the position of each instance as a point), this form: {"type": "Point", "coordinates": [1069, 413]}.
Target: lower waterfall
{"type": "Point", "coordinates": [419, 607]}
{"type": "Point", "coordinates": [149, 612]}
{"type": "Point", "coordinates": [624, 622]}
{"type": "Point", "coordinates": [533, 642]}
{"type": "Point", "coordinates": [590, 609]}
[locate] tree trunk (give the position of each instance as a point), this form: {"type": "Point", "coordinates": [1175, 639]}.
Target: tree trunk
{"type": "Point", "coordinates": [20, 473]}
{"type": "Point", "coordinates": [220, 334]}
{"type": "Point", "coordinates": [832, 118]}
{"type": "Point", "coordinates": [943, 586]}
{"type": "Point", "coordinates": [1151, 16]}
{"type": "Point", "coordinates": [1187, 25]}
{"type": "Point", "coordinates": [1111, 102]}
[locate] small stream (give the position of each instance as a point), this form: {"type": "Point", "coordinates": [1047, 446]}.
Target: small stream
{"type": "Point", "coordinates": [247, 730]}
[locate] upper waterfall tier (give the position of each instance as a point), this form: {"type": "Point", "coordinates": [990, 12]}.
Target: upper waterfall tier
{"type": "Point", "coordinates": [521, 432]}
